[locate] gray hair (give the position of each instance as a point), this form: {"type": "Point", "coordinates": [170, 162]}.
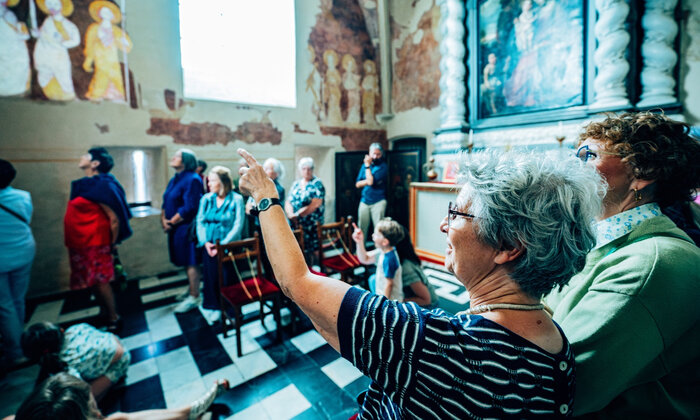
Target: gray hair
{"type": "Point", "coordinates": [376, 146]}
{"type": "Point", "coordinates": [546, 206]}
{"type": "Point", "coordinates": [306, 162]}
{"type": "Point", "coordinates": [189, 159]}
{"type": "Point", "coordinates": [277, 167]}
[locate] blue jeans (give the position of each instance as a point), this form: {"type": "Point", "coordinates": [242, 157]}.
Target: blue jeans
{"type": "Point", "coordinates": [13, 288]}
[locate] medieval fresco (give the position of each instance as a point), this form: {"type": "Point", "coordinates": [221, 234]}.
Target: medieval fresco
{"type": "Point", "coordinates": [530, 55]}
{"type": "Point", "coordinates": [343, 81]}
{"type": "Point", "coordinates": [417, 52]}
{"type": "Point", "coordinates": [61, 50]}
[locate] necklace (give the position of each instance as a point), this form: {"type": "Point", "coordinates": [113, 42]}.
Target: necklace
{"type": "Point", "coordinates": [512, 306]}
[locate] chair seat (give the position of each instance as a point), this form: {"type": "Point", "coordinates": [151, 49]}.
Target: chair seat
{"type": "Point", "coordinates": [237, 295]}
{"type": "Point", "coordinates": [341, 262]}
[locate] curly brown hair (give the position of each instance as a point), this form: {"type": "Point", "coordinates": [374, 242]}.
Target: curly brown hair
{"type": "Point", "coordinates": [656, 148]}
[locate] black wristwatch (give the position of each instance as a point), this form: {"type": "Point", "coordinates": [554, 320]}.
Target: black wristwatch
{"type": "Point", "coordinates": [264, 204]}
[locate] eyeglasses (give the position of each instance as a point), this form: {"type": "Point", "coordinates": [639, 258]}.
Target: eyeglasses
{"type": "Point", "coordinates": [584, 153]}
{"type": "Point", "coordinates": [452, 214]}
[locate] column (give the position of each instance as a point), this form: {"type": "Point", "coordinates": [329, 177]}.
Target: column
{"type": "Point", "coordinates": [612, 67]}
{"type": "Point", "coordinates": [453, 91]}
{"type": "Point", "coordinates": [658, 55]}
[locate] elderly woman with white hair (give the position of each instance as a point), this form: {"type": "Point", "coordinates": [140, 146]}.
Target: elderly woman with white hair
{"type": "Point", "coordinates": [306, 205]}
{"type": "Point", "coordinates": [520, 227]}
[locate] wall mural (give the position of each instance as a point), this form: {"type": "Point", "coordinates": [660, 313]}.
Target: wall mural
{"type": "Point", "coordinates": [343, 80]}
{"type": "Point", "coordinates": [417, 52]}
{"type": "Point", "coordinates": [61, 50]}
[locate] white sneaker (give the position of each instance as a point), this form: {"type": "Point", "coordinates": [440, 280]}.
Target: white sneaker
{"type": "Point", "coordinates": [188, 304]}
{"type": "Point", "coordinates": [211, 315]}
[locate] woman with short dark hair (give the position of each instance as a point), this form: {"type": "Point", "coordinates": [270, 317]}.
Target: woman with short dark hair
{"type": "Point", "coordinates": [96, 220]}
{"type": "Point", "coordinates": [180, 205]}
{"type": "Point", "coordinates": [17, 248]}
{"type": "Point", "coordinates": [632, 313]}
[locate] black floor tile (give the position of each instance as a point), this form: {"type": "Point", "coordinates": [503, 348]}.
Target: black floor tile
{"type": "Point", "coordinates": [78, 300]}
{"type": "Point", "coordinates": [157, 349]}
{"type": "Point", "coordinates": [240, 397]}
{"type": "Point", "coordinates": [324, 355]}
{"type": "Point", "coordinates": [132, 324]}
{"type": "Point", "coordinates": [143, 395]}
{"type": "Point", "coordinates": [357, 386]}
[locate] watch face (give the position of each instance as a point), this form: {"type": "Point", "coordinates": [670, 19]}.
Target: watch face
{"type": "Point", "coordinates": [264, 204]}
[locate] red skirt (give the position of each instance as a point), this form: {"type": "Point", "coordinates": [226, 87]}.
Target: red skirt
{"type": "Point", "coordinates": [90, 266]}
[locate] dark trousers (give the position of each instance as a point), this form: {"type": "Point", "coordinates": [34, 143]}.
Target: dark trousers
{"type": "Point", "coordinates": [210, 274]}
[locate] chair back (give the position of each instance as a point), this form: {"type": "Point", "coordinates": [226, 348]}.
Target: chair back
{"type": "Point", "coordinates": [299, 235]}
{"type": "Point", "coordinates": [243, 255]}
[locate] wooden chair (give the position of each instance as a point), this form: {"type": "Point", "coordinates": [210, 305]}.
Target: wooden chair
{"type": "Point", "coordinates": [245, 287]}
{"type": "Point", "coordinates": [335, 254]}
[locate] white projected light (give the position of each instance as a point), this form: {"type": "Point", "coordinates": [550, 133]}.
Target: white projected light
{"type": "Point", "coordinates": [239, 51]}
{"type": "Point", "coordinates": [140, 190]}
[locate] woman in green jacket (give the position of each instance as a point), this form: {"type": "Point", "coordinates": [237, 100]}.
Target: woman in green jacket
{"type": "Point", "coordinates": [632, 313]}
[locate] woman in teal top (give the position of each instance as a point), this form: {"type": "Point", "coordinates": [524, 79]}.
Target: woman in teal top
{"type": "Point", "coordinates": [632, 313]}
{"type": "Point", "coordinates": [221, 217]}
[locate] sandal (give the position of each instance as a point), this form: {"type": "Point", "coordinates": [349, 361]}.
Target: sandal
{"type": "Point", "coordinates": [197, 408]}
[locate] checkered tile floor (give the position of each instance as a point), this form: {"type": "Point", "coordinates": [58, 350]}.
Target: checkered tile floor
{"type": "Point", "coordinates": [176, 357]}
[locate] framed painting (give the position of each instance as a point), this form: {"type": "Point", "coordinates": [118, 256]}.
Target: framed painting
{"type": "Point", "coordinates": [529, 57]}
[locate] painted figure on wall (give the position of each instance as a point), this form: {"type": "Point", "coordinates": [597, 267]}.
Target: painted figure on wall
{"type": "Point", "coordinates": [491, 83]}
{"type": "Point", "coordinates": [14, 55]}
{"type": "Point", "coordinates": [351, 84]}
{"type": "Point", "coordinates": [331, 88]}
{"type": "Point", "coordinates": [51, 59]}
{"type": "Point", "coordinates": [314, 83]}
{"type": "Point", "coordinates": [370, 89]}
{"type": "Point", "coordinates": [103, 41]}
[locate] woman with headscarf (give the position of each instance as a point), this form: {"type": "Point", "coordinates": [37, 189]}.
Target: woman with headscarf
{"type": "Point", "coordinates": [180, 205]}
{"type": "Point", "coordinates": [632, 313]}
{"type": "Point", "coordinates": [96, 220]}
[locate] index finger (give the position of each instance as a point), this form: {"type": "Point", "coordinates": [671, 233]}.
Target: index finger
{"type": "Point", "coordinates": [250, 159]}
{"type": "Point", "coordinates": [354, 226]}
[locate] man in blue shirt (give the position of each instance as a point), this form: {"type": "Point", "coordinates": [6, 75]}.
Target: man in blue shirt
{"type": "Point", "coordinates": [372, 179]}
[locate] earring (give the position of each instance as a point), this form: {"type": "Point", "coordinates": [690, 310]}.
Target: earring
{"type": "Point", "coordinates": [637, 195]}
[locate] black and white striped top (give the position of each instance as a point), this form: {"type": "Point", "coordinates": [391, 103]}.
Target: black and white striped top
{"type": "Point", "coordinates": [436, 365]}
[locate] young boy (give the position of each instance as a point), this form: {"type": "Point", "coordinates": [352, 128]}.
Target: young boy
{"type": "Point", "coordinates": [386, 234]}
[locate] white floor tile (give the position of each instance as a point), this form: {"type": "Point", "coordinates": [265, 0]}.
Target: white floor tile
{"type": "Point", "coordinates": [175, 291]}
{"type": "Point", "coordinates": [81, 314]}
{"type": "Point", "coordinates": [181, 374]}
{"type": "Point", "coordinates": [141, 370]}
{"type": "Point", "coordinates": [248, 344]}
{"type": "Point", "coordinates": [254, 364]}
{"type": "Point", "coordinates": [251, 307]}
{"type": "Point", "coordinates": [254, 412]}
{"type": "Point", "coordinates": [230, 372]}
{"type": "Point", "coordinates": [136, 341]}
{"type": "Point", "coordinates": [183, 394]}
{"type": "Point", "coordinates": [47, 312]}
{"type": "Point", "coordinates": [174, 359]}
{"type": "Point", "coordinates": [162, 323]}
{"type": "Point", "coordinates": [341, 372]}
{"type": "Point", "coordinates": [285, 403]}
{"type": "Point", "coordinates": [310, 340]}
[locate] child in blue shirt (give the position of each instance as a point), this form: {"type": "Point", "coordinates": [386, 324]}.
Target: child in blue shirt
{"type": "Point", "coordinates": [387, 280]}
